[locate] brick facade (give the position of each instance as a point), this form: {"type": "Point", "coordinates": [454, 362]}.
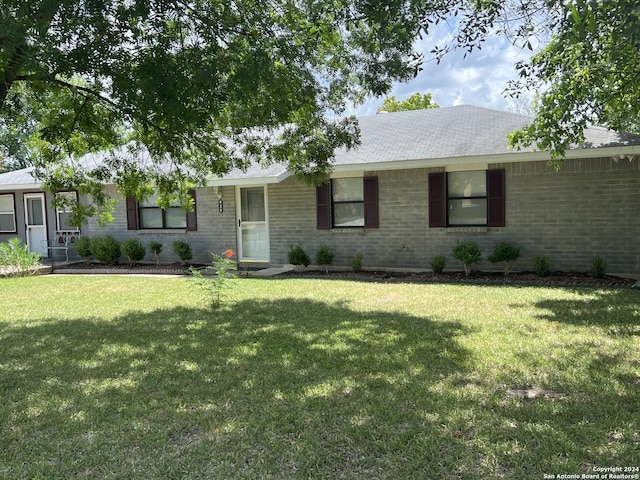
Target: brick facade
{"type": "Point", "coordinates": [587, 208]}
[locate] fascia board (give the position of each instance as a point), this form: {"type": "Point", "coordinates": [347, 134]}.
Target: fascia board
{"type": "Point", "coordinates": [513, 157]}
{"type": "Point", "coordinates": [20, 186]}
{"type": "Point", "coordinates": [229, 182]}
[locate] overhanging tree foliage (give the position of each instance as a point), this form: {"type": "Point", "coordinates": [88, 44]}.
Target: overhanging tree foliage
{"type": "Point", "coordinates": [207, 85]}
{"type": "Point", "coordinates": [591, 71]}
{"type": "Point", "coordinates": [203, 85]}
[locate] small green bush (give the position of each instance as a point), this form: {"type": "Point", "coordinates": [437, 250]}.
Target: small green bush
{"type": "Point", "coordinates": [541, 266]}
{"type": "Point", "coordinates": [105, 249]}
{"type": "Point", "coordinates": [356, 263]}
{"type": "Point", "coordinates": [183, 251]}
{"type": "Point", "coordinates": [16, 259]}
{"type": "Point", "coordinates": [297, 256]}
{"type": "Point", "coordinates": [468, 252]}
{"type": "Point", "coordinates": [133, 249]}
{"type": "Point", "coordinates": [505, 252]}
{"type": "Point", "coordinates": [324, 257]}
{"type": "Point", "coordinates": [598, 267]}
{"type": "Point", "coordinates": [155, 248]}
{"type": "Point", "coordinates": [82, 245]}
{"type": "Point", "coordinates": [437, 263]}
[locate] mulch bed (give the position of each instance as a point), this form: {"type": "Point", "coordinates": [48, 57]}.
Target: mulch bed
{"type": "Point", "coordinates": [559, 279]}
{"type": "Point", "coordinates": [140, 268]}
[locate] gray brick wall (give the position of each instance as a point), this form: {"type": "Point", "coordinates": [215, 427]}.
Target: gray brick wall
{"type": "Point", "coordinates": [216, 231]}
{"type": "Point", "coordinates": [587, 208]}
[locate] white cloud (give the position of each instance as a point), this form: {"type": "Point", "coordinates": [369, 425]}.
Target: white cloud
{"type": "Point", "coordinates": [479, 78]}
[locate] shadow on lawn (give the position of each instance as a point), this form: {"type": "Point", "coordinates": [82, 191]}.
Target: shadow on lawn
{"type": "Point", "coordinates": [617, 311]}
{"type": "Point", "coordinates": [286, 389]}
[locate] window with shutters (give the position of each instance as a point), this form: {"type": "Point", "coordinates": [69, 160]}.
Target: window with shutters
{"type": "Point", "coordinates": [348, 203]}
{"type": "Point", "coordinates": [465, 199]}
{"type": "Point", "coordinates": [152, 216]}
{"type": "Point", "coordinates": [148, 215]}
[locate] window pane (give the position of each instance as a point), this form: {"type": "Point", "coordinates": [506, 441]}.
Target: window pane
{"type": "Point", "coordinates": [69, 199]}
{"type": "Point", "coordinates": [468, 212]}
{"type": "Point", "coordinates": [150, 218]}
{"type": "Point", "coordinates": [348, 214]}
{"type": "Point", "coordinates": [176, 218]}
{"type": "Point", "coordinates": [63, 221]}
{"type": "Point", "coordinates": [252, 200]}
{"type": "Point", "coordinates": [6, 203]}
{"type": "Point", "coordinates": [7, 223]}
{"type": "Point", "coordinates": [150, 201]}
{"type": "Point", "coordinates": [467, 184]}
{"type": "Point", "coordinates": [34, 211]}
{"type": "Point", "coordinates": [347, 189]}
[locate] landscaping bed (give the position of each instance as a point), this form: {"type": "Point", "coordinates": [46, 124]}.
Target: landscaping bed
{"type": "Point", "coordinates": [560, 279]}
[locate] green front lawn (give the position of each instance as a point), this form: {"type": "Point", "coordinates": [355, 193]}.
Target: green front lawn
{"type": "Point", "coordinates": [129, 377]}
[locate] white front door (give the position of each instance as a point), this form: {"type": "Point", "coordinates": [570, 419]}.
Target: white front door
{"type": "Point", "coordinates": [253, 226]}
{"type": "Point", "coordinates": [36, 226]}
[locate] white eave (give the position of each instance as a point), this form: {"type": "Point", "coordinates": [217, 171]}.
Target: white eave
{"type": "Point", "coordinates": [616, 153]}
{"type": "Point", "coordinates": [249, 180]}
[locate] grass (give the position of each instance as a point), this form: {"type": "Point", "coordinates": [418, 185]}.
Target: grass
{"type": "Point", "coordinates": [128, 377]}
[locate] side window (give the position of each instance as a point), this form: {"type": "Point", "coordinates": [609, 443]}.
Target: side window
{"type": "Point", "coordinates": [152, 216]}
{"type": "Point", "coordinates": [347, 203]}
{"type": "Point", "coordinates": [7, 214]}
{"type": "Point", "coordinates": [148, 215]}
{"type": "Point", "coordinates": [347, 195]}
{"type": "Point", "coordinates": [472, 198]}
{"type": "Point", "coordinates": [63, 212]}
{"type": "Point", "coordinates": [466, 198]}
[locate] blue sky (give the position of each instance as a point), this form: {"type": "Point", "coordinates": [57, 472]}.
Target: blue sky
{"type": "Point", "coordinates": [479, 79]}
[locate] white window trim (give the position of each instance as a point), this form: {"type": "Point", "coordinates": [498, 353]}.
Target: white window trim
{"type": "Point", "coordinates": [12, 212]}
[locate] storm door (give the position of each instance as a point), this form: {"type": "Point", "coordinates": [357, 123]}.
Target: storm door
{"type": "Point", "coordinates": [253, 226]}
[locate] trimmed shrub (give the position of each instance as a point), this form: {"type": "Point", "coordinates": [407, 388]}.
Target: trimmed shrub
{"type": "Point", "coordinates": [155, 248]}
{"type": "Point", "coordinates": [133, 249]}
{"type": "Point", "coordinates": [356, 263]}
{"type": "Point", "coordinates": [324, 257]}
{"type": "Point", "coordinates": [183, 251]}
{"type": "Point", "coordinates": [505, 252]}
{"type": "Point", "coordinates": [541, 266]}
{"type": "Point", "coordinates": [598, 267]}
{"type": "Point", "coordinates": [16, 259]}
{"type": "Point", "coordinates": [437, 263]}
{"type": "Point", "coordinates": [297, 256]}
{"type": "Point", "coordinates": [82, 245]}
{"type": "Point", "coordinates": [105, 249]}
{"type": "Point", "coordinates": [468, 252]}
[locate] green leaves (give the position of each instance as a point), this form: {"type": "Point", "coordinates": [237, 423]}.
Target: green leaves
{"type": "Point", "coordinates": [591, 71]}
{"type": "Point", "coordinates": [414, 102]}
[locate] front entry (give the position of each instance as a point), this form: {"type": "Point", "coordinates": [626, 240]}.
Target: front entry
{"type": "Point", "coordinates": [36, 226]}
{"type": "Point", "coordinates": [253, 227]}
